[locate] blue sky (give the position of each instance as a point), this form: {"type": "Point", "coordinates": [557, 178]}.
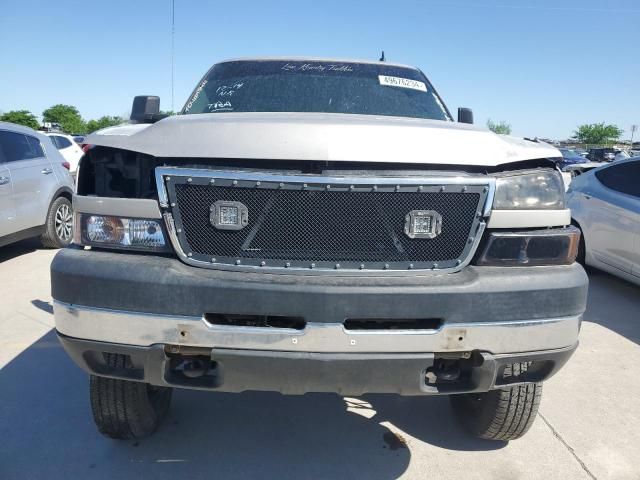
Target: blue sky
{"type": "Point", "coordinates": [544, 66]}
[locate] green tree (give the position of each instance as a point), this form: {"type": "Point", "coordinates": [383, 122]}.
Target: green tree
{"type": "Point", "coordinates": [597, 133]}
{"type": "Point", "coordinates": [502, 127]}
{"type": "Point", "coordinates": [21, 117]}
{"type": "Point", "coordinates": [103, 122]}
{"type": "Point", "coordinates": [67, 116]}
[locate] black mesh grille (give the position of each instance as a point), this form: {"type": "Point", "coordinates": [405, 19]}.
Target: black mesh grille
{"type": "Point", "coordinates": [324, 225]}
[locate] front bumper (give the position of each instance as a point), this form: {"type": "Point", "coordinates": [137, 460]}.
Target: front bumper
{"type": "Point", "coordinates": [295, 373]}
{"type": "Point", "coordinates": [149, 305]}
{"type": "Point", "coordinates": [146, 329]}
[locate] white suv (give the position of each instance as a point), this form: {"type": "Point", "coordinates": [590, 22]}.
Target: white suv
{"type": "Point", "coordinates": [67, 147]}
{"type": "Point", "coordinates": [35, 188]}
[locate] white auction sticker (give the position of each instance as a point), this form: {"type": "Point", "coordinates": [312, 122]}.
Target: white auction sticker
{"type": "Point", "coordinates": [402, 82]}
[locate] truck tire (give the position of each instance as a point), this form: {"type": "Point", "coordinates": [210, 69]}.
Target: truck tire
{"type": "Point", "coordinates": [124, 409]}
{"type": "Point", "coordinates": [58, 231]}
{"type": "Point", "coordinates": [581, 257]}
{"type": "Point", "coordinates": [503, 414]}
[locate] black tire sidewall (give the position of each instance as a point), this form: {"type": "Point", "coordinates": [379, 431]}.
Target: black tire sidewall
{"type": "Point", "coordinates": [124, 409]}
{"type": "Point", "coordinates": [50, 227]}
{"type": "Point", "coordinates": [505, 413]}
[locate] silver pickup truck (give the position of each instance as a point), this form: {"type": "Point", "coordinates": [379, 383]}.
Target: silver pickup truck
{"type": "Point", "coordinates": [312, 225]}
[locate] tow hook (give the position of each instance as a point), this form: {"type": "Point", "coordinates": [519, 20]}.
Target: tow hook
{"type": "Point", "coordinates": [195, 368]}
{"type": "Point", "coordinates": [446, 369]}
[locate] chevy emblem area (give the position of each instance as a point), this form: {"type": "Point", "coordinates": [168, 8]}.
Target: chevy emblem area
{"type": "Point", "coordinates": [422, 224]}
{"type": "Point", "coordinates": [226, 215]}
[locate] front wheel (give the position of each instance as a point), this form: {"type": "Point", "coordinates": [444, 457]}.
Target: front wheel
{"type": "Point", "coordinates": [58, 229]}
{"type": "Point", "coordinates": [123, 409]}
{"type": "Point", "coordinates": [503, 414]}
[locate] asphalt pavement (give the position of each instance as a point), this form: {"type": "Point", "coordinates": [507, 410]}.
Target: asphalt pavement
{"type": "Point", "coordinates": [588, 426]}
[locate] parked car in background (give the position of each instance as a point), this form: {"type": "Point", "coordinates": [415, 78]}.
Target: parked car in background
{"type": "Point", "coordinates": [35, 188]}
{"type": "Point", "coordinates": [570, 157]}
{"type": "Point", "coordinates": [601, 154]}
{"type": "Point", "coordinates": [621, 155]}
{"type": "Point", "coordinates": [581, 152]}
{"type": "Point", "coordinates": [79, 139]}
{"type": "Point", "coordinates": [577, 169]}
{"type": "Point", "coordinates": [605, 205]}
{"type": "Point", "coordinates": [68, 148]}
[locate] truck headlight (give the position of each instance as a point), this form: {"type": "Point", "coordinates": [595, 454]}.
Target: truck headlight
{"type": "Point", "coordinates": [118, 232]}
{"type": "Point", "coordinates": [534, 190]}
{"type": "Point", "coordinates": [557, 246]}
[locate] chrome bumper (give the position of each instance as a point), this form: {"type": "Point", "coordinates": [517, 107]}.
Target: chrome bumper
{"type": "Point", "coordinates": [146, 329]}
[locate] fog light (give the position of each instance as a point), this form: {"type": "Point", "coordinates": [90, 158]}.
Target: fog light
{"type": "Point", "coordinates": [227, 215]}
{"type": "Point", "coordinates": [422, 224]}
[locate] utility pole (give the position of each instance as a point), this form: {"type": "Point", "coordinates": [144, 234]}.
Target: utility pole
{"type": "Point", "coordinates": [173, 17]}
{"type": "Point", "coordinates": [633, 130]}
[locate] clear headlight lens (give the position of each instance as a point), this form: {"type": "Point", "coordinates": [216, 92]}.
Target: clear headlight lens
{"type": "Point", "coordinates": [110, 231]}
{"type": "Point", "coordinates": [540, 190]}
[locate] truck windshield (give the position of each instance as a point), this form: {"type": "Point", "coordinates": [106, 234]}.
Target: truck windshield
{"type": "Point", "coordinates": [316, 86]}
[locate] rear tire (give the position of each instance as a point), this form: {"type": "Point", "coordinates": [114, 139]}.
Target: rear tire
{"type": "Point", "coordinates": [580, 258]}
{"type": "Point", "coordinates": [503, 414]}
{"type": "Point", "coordinates": [124, 409]}
{"type": "Point", "coordinates": [58, 229]}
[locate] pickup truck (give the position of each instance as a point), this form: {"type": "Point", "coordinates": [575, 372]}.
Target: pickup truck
{"type": "Point", "coordinates": [317, 225]}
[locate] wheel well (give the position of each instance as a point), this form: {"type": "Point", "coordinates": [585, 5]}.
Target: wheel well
{"type": "Point", "coordinates": [575, 223]}
{"type": "Point", "coordinates": [63, 192]}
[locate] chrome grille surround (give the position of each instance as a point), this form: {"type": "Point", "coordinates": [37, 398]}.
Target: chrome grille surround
{"type": "Point", "coordinates": [172, 179]}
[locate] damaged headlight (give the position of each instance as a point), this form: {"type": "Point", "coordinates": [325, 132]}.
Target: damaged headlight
{"type": "Point", "coordinates": [118, 232]}
{"type": "Point", "coordinates": [533, 190]}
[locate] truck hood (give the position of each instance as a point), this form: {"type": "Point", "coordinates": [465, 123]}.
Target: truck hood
{"type": "Point", "coordinates": [324, 137]}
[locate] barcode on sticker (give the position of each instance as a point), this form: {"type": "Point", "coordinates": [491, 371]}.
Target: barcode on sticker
{"type": "Point", "coordinates": [402, 82]}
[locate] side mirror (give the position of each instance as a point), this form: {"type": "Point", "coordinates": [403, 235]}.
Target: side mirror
{"type": "Point", "coordinates": [146, 109]}
{"type": "Point", "coordinates": [465, 115]}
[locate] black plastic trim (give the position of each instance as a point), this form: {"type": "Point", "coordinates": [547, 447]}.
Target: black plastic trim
{"type": "Point", "coordinates": [156, 284]}
{"type": "Point", "coordinates": [302, 372]}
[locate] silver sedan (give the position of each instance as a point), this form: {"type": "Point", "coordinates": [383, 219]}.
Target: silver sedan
{"type": "Point", "coordinates": [605, 204]}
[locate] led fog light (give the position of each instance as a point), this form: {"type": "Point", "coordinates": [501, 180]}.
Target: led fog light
{"type": "Point", "coordinates": [422, 224]}
{"type": "Point", "coordinates": [227, 215]}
